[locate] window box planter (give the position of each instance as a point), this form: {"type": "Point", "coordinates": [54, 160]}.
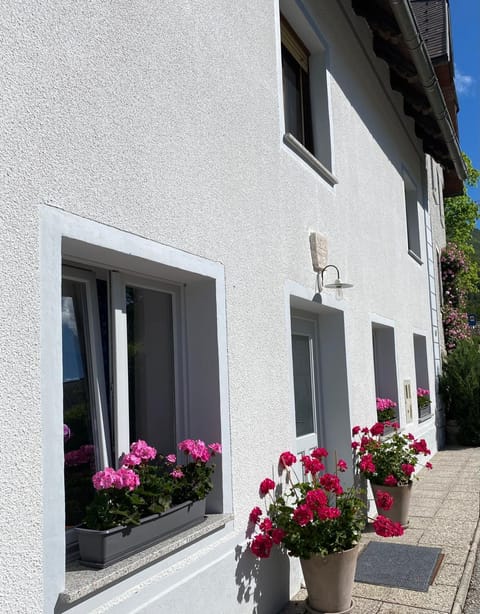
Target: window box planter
{"type": "Point", "coordinates": [99, 549]}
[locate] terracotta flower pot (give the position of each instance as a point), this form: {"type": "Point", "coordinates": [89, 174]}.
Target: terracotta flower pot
{"type": "Point", "coordinates": [401, 502]}
{"type": "Point", "coordinates": [329, 581]}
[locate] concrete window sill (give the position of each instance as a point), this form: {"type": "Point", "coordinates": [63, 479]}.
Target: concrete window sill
{"type": "Point", "coordinates": [81, 582]}
{"type": "Point", "coordinates": [309, 158]}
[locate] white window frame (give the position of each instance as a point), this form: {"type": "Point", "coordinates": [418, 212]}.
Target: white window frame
{"type": "Point", "coordinates": [118, 284]}
{"type": "Point", "coordinates": [71, 238]}
{"type": "Point", "coordinates": [308, 328]}
{"type": "Point", "coordinates": [94, 364]}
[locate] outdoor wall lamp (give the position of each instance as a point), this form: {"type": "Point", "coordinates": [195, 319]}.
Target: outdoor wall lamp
{"type": "Point", "coordinates": [338, 284]}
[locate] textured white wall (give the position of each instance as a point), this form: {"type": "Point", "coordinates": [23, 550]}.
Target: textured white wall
{"type": "Point", "coordinates": [163, 119]}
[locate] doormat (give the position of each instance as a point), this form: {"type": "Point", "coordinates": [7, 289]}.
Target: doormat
{"type": "Point", "coordinates": [398, 565]}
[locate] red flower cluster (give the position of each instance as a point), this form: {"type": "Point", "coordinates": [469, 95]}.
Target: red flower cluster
{"type": "Point", "coordinates": [331, 483]}
{"type": "Point", "coordinates": [312, 465]}
{"type": "Point", "coordinates": [366, 463]}
{"type": "Point", "coordinates": [386, 527]}
{"type": "Point", "coordinates": [266, 485]}
{"type": "Point", "coordinates": [420, 447]}
{"type": "Point", "coordinates": [313, 515]}
{"type": "Point", "coordinates": [388, 460]}
{"type": "Point", "coordinates": [269, 536]}
{"type": "Point", "coordinates": [287, 459]}
{"type": "Point", "coordinates": [384, 500]}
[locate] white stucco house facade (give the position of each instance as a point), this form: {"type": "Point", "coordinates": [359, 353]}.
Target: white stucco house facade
{"type": "Point", "coordinates": [205, 160]}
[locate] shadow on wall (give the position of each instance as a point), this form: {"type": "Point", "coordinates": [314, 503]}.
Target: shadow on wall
{"type": "Point", "coordinates": [265, 583]}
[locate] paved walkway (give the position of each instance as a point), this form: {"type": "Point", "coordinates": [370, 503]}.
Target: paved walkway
{"type": "Point", "coordinates": [444, 513]}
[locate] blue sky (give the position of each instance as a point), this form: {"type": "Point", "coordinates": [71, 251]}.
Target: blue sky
{"type": "Point", "coordinates": [465, 16]}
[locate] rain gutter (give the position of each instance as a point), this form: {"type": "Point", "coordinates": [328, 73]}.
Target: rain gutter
{"type": "Point", "coordinates": [414, 42]}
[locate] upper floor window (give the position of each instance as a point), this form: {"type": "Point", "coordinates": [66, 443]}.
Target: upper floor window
{"type": "Point", "coordinates": [305, 90]}
{"type": "Point", "coordinates": [411, 210]}
{"type": "Point", "coordinates": [296, 87]}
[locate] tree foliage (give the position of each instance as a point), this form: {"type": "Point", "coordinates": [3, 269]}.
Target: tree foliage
{"type": "Point", "coordinates": [461, 214]}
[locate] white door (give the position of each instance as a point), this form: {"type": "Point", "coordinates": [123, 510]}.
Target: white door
{"type": "Point", "coordinates": [306, 381]}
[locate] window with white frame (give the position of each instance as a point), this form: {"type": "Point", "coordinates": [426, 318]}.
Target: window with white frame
{"type": "Point", "coordinates": [305, 90]}
{"type": "Point", "coordinates": [127, 374]}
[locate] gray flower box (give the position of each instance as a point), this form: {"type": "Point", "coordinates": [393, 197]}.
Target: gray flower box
{"type": "Point", "coordinates": [99, 549]}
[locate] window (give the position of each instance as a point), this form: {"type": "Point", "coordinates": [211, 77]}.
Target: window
{"type": "Point", "coordinates": [127, 374]}
{"type": "Point", "coordinates": [296, 87]}
{"type": "Point", "coordinates": [305, 89]}
{"type": "Point", "coordinates": [306, 383]}
{"type": "Point", "coordinates": [136, 351]}
{"type": "Point", "coordinates": [86, 432]}
{"type": "Point", "coordinates": [421, 375]}
{"type": "Point", "coordinates": [320, 402]}
{"type": "Point", "coordinates": [411, 208]}
{"type": "Point", "coordinates": [384, 362]}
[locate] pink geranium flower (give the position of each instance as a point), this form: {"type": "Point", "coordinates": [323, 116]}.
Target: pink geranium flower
{"type": "Point", "coordinates": [127, 478]}
{"type": "Point", "coordinates": [141, 449]}
{"type": "Point", "coordinates": [130, 460]}
{"type": "Point", "coordinates": [216, 448]}
{"type": "Point", "coordinates": [197, 449]}
{"type": "Point", "coordinates": [177, 474]}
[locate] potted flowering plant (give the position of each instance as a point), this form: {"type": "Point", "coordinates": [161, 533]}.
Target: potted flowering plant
{"type": "Point", "coordinates": [423, 401]}
{"type": "Point", "coordinates": [147, 499]}
{"type": "Point", "coordinates": [320, 522]}
{"type": "Point", "coordinates": [389, 463]}
{"type": "Point", "coordinates": [385, 409]}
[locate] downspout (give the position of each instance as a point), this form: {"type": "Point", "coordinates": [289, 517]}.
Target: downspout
{"type": "Point", "coordinates": [414, 42]}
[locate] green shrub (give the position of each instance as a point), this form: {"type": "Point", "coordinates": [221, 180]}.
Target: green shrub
{"type": "Point", "coordinates": [460, 389]}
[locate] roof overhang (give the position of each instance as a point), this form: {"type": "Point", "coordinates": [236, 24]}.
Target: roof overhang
{"type": "Point", "coordinates": [398, 41]}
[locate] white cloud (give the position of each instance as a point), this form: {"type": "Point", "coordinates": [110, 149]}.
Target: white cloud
{"type": "Point", "coordinates": [463, 82]}
{"type": "Point", "coordinates": [68, 315]}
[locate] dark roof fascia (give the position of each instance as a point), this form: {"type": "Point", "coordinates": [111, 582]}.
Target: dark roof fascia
{"type": "Point", "coordinates": [398, 41]}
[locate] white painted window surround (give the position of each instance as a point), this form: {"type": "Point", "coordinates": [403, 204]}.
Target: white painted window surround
{"type": "Point", "coordinates": [205, 414]}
